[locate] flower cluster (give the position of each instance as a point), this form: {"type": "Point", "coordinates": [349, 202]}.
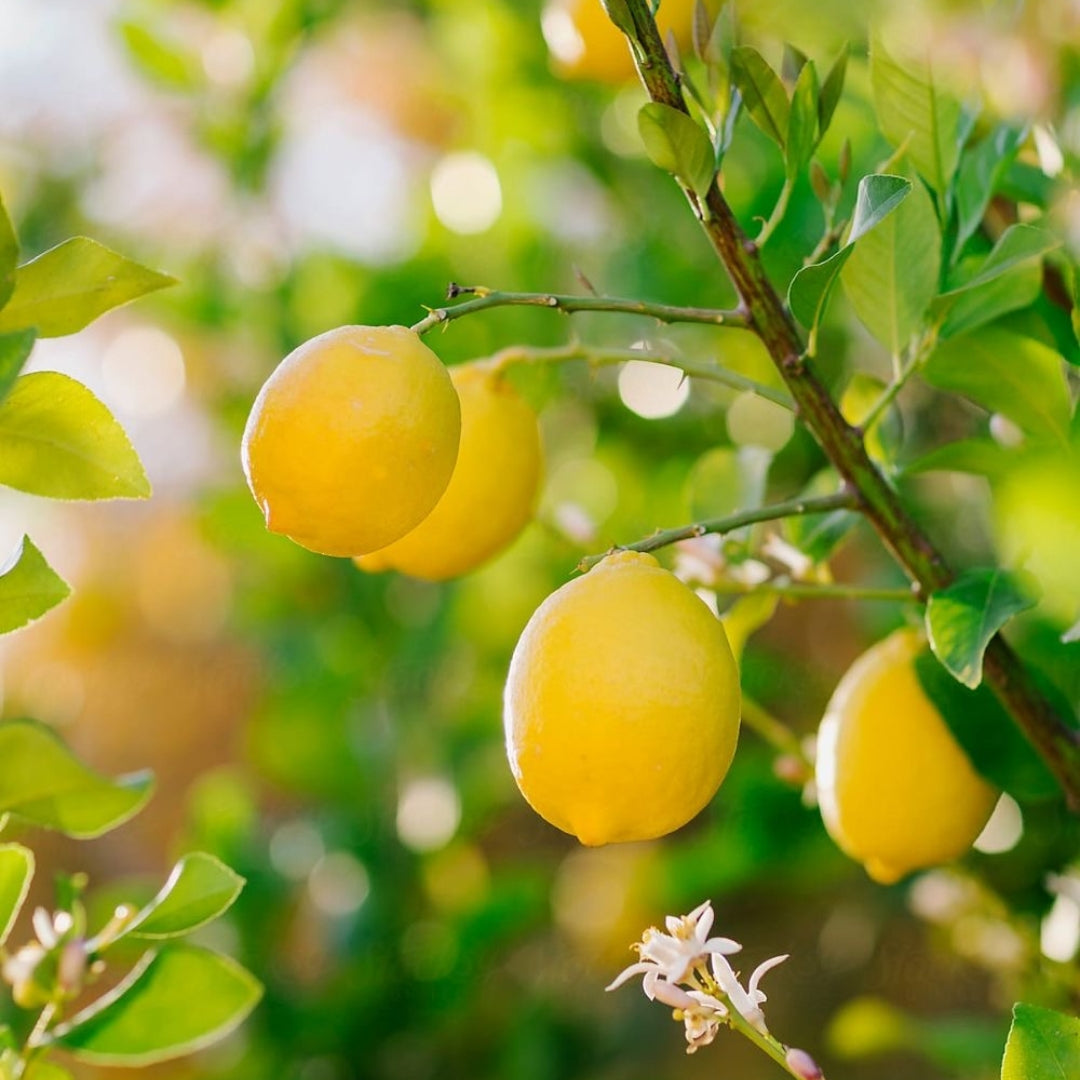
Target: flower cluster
{"type": "Point", "coordinates": [688, 970]}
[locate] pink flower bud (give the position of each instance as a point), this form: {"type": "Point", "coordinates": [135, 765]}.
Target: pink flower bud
{"type": "Point", "coordinates": [802, 1064]}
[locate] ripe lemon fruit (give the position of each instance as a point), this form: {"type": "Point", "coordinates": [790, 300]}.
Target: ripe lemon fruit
{"type": "Point", "coordinates": [491, 493]}
{"type": "Point", "coordinates": [622, 703]}
{"type": "Point", "coordinates": [352, 439]}
{"type": "Point", "coordinates": [896, 791]}
{"type": "Point", "coordinates": [585, 44]}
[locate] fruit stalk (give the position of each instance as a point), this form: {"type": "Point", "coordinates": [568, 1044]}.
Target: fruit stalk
{"type": "Point", "coordinates": [1004, 672]}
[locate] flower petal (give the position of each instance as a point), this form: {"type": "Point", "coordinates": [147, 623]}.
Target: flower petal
{"type": "Point", "coordinates": [760, 970]}
{"type": "Point", "coordinates": [627, 973]}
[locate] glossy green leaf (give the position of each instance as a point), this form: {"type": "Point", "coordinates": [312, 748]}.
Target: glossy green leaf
{"type": "Point", "coordinates": [961, 619]}
{"type": "Point", "coordinates": [914, 112]}
{"type": "Point", "coordinates": [980, 457]}
{"type": "Point", "coordinates": [819, 535]}
{"type": "Point", "coordinates": [619, 14]}
{"type": "Point", "coordinates": [58, 440]}
{"type": "Point", "coordinates": [878, 196]}
{"type": "Point", "coordinates": [15, 349]}
{"type": "Point", "coordinates": [176, 1001]}
{"type": "Point", "coordinates": [199, 889]}
{"type": "Point", "coordinates": [16, 872]}
{"type": "Point", "coordinates": [980, 173]}
{"type": "Point", "coordinates": [1008, 373]}
{"type": "Point", "coordinates": [9, 255]}
{"type": "Point", "coordinates": [892, 275]}
{"type": "Point", "coordinates": [675, 143]}
{"type": "Point", "coordinates": [763, 94]}
{"type": "Point", "coordinates": [70, 285]}
{"type": "Point", "coordinates": [29, 587]}
{"type": "Point", "coordinates": [831, 90]}
{"type": "Point", "coordinates": [1042, 1045]}
{"type": "Point", "coordinates": [43, 783]}
{"type": "Point", "coordinates": [1009, 278]}
{"type": "Point", "coordinates": [988, 735]}
{"type": "Point", "coordinates": [802, 131]}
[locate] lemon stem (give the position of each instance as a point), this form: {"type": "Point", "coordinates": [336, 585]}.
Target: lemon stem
{"type": "Point", "coordinates": [484, 298]}
{"type": "Point", "coordinates": [775, 732]}
{"type": "Point", "coordinates": [1057, 742]}
{"type": "Point", "coordinates": [822, 504]}
{"type": "Point", "coordinates": [606, 357]}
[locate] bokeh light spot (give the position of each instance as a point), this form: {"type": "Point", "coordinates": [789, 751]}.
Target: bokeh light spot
{"type": "Point", "coordinates": [466, 193]}
{"type": "Point", "coordinates": [653, 391]}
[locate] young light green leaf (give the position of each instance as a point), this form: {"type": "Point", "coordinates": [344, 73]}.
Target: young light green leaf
{"type": "Point", "coordinates": [892, 275]}
{"type": "Point", "coordinates": [29, 587]}
{"type": "Point", "coordinates": [43, 1069]}
{"type": "Point", "coordinates": [675, 143]}
{"type": "Point", "coordinates": [9, 255]}
{"type": "Point", "coordinates": [162, 60]}
{"type": "Point", "coordinates": [16, 872]}
{"type": "Point", "coordinates": [961, 619]}
{"type": "Point", "coordinates": [199, 889]}
{"type": "Point", "coordinates": [58, 440]}
{"type": "Point", "coordinates": [878, 196]}
{"type": "Point", "coordinates": [802, 132]}
{"type": "Point", "coordinates": [980, 173]}
{"type": "Point", "coordinates": [762, 92]}
{"type": "Point", "coordinates": [1008, 373]}
{"type": "Point", "coordinates": [831, 90]}
{"type": "Point", "coordinates": [1009, 278]}
{"type": "Point", "coordinates": [1042, 1045]}
{"type": "Point", "coordinates": [70, 285]}
{"type": "Point", "coordinates": [43, 783]}
{"type": "Point", "coordinates": [15, 349]}
{"type": "Point", "coordinates": [980, 457]}
{"type": "Point", "coordinates": [913, 111]}
{"type": "Point", "coordinates": [986, 733]}
{"type": "Point", "coordinates": [176, 1001]}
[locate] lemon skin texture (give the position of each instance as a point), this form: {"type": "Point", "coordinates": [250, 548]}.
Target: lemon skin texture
{"type": "Point", "coordinates": [492, 491]}
{"type": "Point", "coordinates": [896, 791]}
{"type": "Point", "coordinates": [585, 44]}
{"type": "Point", "coordinates": [622, 704]}
{"type": "Point", "coordinates": [352, 440]}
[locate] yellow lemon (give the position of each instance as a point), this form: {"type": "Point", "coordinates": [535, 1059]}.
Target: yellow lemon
{"type": "Point", "coordinates": [352, 439]}
{"type": "Point", "coordinates": [491, 493]}
{"type": "Point", "coordinates": [896, 791]}
{"type": "Point", "coordinates": [585, 44]}
{"type": "Point", "coordinates": [622, 703]}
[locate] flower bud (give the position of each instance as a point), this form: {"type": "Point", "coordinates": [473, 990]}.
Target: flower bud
{"type": "Point", "coordinates": [802, 1064]}
{"type": "Point", "coordinates": [72, 967]}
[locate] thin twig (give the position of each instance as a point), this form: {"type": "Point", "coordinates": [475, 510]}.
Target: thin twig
{"type": "Point", "coordinates": [822, 504]}
{"type": "Point", "coordinates": [483, 298]}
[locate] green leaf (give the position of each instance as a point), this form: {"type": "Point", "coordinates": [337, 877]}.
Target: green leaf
{"type": "Point", "coordinates": [763, 94]}
{"type": "Point", "coordinates": [818, 535]}
{"type": "Point", "coordinates": [961, 619]}
{"type": "Point", "coordinates": [1009, 278]}
{"type": "Point", "coordinates": [1042, 1045]}
{"type": "Point", "coordinates": [9, 255]}
{"type": "Point", "coordinates": [162, 60]}
{"type": "Point", "coordinates": [980, 457]}
{"type": "Point", "coordinates": [892, 275]}
{"type": "Point", "coordinates": [1008, 373]}
{"type": "Point", "coordinates": [878, 196]}
{"type": "Point", "coordinates": [45, 784]}
{"type": "Point", "coordinates": [619, 13]}
{"type": "Point", "coordinates": [914, 113]}
{"type": "Point", "coordinates": [16, 870]}
{"type": "Point", "coordinates": [70, 285]}
{"type": "Point", "coordinates": [802, 131]}
{"type": "Point", "coordinates": [15, 349]}
{"type": "Point", "coordinates": [176, 1001]}
{"type": "Point", "coordinates": [986, 733]}
{"type": "Point", "coordinates": [675, 143]}
{"type": "Point", "coordinates": [199, 889]}
{"type": "Point", "coordinates": [29, 587]}
{"type": "Point", "coordinates": [831, 89]}
{"type": "Point", "coordinates": [981, 170]}
{"type": "Point", "coordinates": [58, 440]}
{"type": "Point", "coordinates": [40, 1069]}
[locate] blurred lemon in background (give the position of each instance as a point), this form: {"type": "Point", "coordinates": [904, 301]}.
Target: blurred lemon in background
{"type": "Point", "coordinates": [352, 439]}
{"type": "Point", "coordinates": [492, 491]}
{"type": "Point", "coordinates": [896, 791]}
{"type": "Point", "coordinates": [622, 703]}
